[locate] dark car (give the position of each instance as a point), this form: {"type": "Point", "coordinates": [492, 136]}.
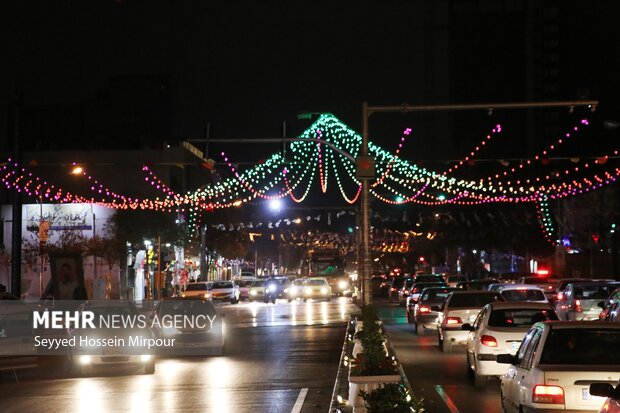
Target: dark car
{"type": "Point", "coordinates": [395, 286]}
{"type": "Point", "coordinates": [476, 285]}
{"type": "Point", "coordinates": [417, 288]}
{"type": "Point", "coordinates": [424, 312]}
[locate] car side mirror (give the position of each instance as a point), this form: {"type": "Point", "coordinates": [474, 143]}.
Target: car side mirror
{"type": "Point", "coordinates": [602, 390]}
{"type": "Point", "coordinates": [506, 359]}
{"type": "Point", "coordinates": [467, 327]}
{"type": "Point", "coordinates": [601, 304]}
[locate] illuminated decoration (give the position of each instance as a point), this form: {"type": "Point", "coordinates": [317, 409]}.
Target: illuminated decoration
{"type": "Point", "coordinates": [544, 220]}
{"type": "Point", "coordinates": [321, 150]}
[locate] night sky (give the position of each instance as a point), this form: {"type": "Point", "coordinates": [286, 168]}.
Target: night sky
{"type": "Point", "coordinates": [130, 74]}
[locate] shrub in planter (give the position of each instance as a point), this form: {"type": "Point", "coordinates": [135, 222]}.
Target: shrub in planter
{"type": "Point", "coordinates": [391, 397]}
{"type": "Point", "coordinates": [373, 360]}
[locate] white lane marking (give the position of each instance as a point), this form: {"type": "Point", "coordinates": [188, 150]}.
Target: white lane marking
{"type": "Point", "coordinates": [442, 393]}
{"type": "Point", "coordinates": [300, 400]}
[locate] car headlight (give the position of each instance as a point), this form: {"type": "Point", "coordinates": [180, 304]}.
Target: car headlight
{"type": "Point", "coordinates": [343, 284]}
{"type": "Point", "coordinates": [253, 292]}
{"type": "Point", "coordinates": [182, 294]}
{"type": "Point", "coordinates": [207, 295]}
{"type": "Point", "coordinates": [272, 288]}
{"type": "Point", "coordinates": [308, 290]}
{"type": "Point", "coordinates": [323, 290]}
{"type": "Point", "coordinates": [85, 359]}
{"type": "Point", "coordinates": [145, 357]}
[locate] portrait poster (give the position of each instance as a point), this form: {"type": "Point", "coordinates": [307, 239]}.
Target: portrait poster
{"type": "Point", "coordinates": [67, 281]}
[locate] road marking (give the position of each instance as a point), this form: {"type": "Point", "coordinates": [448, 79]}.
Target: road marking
{"type": "Point", "coordinates": [442, 393]}
{"type": "Point", "coordinates": [300, 400]}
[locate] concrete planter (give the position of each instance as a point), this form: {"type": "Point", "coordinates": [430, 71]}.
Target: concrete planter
{"type": "Point", "coordinates": [366, 383]}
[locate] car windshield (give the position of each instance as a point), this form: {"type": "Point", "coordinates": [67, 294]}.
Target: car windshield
{"type": "Point", "coordinates": [435, 295]}
{"type": "Point", "coordinates": [315, 282]}
{"type": "Point", "coordinates": [472, 300]}
{"type": "Point", "coordinates": [428, 279]}
{"type": "Point", "coordinates": [593, 292]}
{"type": "Point", "coordinates": [260, 283]}
{"type": "Point", "coordinates": [519, 318]}
{"type": "Point", "coordinates": [244, 283]}
{"type": "Point", "coordinates": [186, 307]}
{"type": "Point", "coordinates": [582, 346]}
{"type": "Point", "coordinates": [196, 287]}
{"type": "Point", "coordinates": [222, 284]}
{"type": "Point", "coordinates": [523, 295]}
{"type": "Point", "coordinates": [299, 282]}
{"type": "Point", "coordinates": [398, 282]}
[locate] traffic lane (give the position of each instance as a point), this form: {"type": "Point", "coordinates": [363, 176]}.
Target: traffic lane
{"type": "Point", "coordinates": [440, 378]}
{"type": "Point", "coordinates": [266, 369]}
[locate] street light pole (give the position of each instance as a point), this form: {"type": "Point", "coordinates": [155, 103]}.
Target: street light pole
{"type": "Point", "coordinates": [365, 263]}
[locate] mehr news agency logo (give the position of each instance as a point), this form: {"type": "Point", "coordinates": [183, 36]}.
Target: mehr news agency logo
{"type": "Point", "coordinates": [64, 320]}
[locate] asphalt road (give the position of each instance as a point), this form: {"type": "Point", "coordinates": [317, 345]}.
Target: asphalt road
{"type": "Point", "coordinates": [440, 378]}
{"type": "Point", "coordinates": [280, 358]}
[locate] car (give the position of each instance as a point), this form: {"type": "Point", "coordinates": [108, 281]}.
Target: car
{"type": "Point", "coordinates": [317, 288]}
{"type": "Point", "coordinates": [460, 307]}
{"type": "Point", "coordinates": [496, 287]}
{"type": "Point", "coordinates": [453, 279]}
{"type": "Point", "coordinates": [555, 365]}
{"type": "Point", "coordinates": [375, 284]}
{"type": "Point", "coordinates": [205, 332]}
{"type": "Point", "coordinates": [547, 284]}
{"type": "Point", "coordinates": [613, 313]}
{"type": "Point", "coordinates": [498, 329]}
{"type": "Point", "coordinates": [225, 290]}
{"type": "Point", "coordinates": [523, 292]}
{"type": "Point", "coordinates": [86, 360]}
{"type": "Point", "coordinates": [608, 304]}
{"type": "Point", "coordinates": [295, 290]}
{"type": "Point", "coordinates": [197, 289]}
{"type": "Point", "coordinates": [244, 288]}
{"type": "Point", "coordinates": [417, 289]}
{"type": "Point", "coordinates": [476, 285]}
{"type": "Point", "coordinates": [424, 312]}
{"type": "Point", "coordinates": [340, 285]}
{"type": "Point", "coordinates": [257, 290]}
{"type": "Point", "coordinates": [612, 404]}
{"type": "Point", "coordinates": [17, 349]}
{"type": "Point", "coordinates": [395, 285]}
{"type": "Point", "coordinates": [404, 291]}
{"type": "Point", "coordinates": [580, 300]}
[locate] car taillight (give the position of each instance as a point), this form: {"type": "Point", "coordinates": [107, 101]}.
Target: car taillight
{"type": "Point", "coordinates": [560, 296]}
{"type": "Point", "coordinates": [488, 341]}
{"type": "Point", "coordinates": [578, 306]}
{"type": "Point", "coordinates": [548, 394]}
{"type": "Point", "coordinates": [453, 320]}
{"type": "Point", "coordinates": [424, 309]}
{"type": "Point", "coordinates": [393, 289]}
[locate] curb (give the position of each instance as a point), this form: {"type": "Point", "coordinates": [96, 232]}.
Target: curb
{"type": "Point", "coordinates": [339, 404]}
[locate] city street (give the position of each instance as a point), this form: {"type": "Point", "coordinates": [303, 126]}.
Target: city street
{"type": "Point", "coordinates": [280, 358]}
{"type": "Point", "coordinates": [437, 377]}
{"type": "Point", "coordinates": [276, 356]}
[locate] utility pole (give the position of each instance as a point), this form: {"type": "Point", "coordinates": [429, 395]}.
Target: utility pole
{"type": "Point", "coordinates": [16, 224]}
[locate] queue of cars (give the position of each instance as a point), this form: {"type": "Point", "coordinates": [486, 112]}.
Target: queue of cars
{"type": "Point", "coordinates": [269, 289]}
{"type": "Point", "coordinates": [552, 343]}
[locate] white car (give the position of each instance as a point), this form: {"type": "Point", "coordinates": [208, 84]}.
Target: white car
{"type": "Point", "coordinates": [225, 290]}
{"type": "Point", "coordinates": [499, 328]}
{"type": "Point", "coordinates": [460, 307]}
{"type": "Point", "coordinates": [555, 365]}
{"type": "Point", "coordinates": [523, 292]}
{"type": "Point", "coordinates": [118, 353]}
{"type": "Point", "coordinates": [200, 289]}
{"type": "Point", "coordinates": [316, 288]}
